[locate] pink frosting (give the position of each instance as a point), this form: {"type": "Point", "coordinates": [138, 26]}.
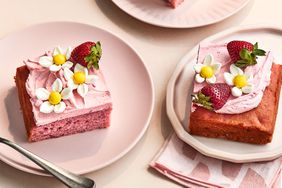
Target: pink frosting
{"type": "Point", "coordinates": [97, 98]}
{"type": "Point", "coordinates": [261, 72]}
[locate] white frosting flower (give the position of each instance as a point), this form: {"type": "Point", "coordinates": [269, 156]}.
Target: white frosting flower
{"type": "Point", "coordinates": [207, 70]}
{"type": "Point", "coordinates": [240, 81]}
{"type": "Point", "coordinates": [79, 79]}
{"type": "Point", "coordinates": [58, 60]}
{"type": "Point", "coordinates": [53, 100]}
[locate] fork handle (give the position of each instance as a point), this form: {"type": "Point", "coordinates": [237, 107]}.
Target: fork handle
{"type": "Point", "coordinates": [68, 178]}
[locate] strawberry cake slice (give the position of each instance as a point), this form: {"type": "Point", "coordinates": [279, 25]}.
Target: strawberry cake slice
{"type": "Point", "coordinates": [64, 92]}
{"type": "Point", "coordinates": [174, 3]}
{"type": "Point", "coordinates": [236, 93]}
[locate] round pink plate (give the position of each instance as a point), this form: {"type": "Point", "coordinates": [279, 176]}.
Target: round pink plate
{"type": "Point", "coordinates": [189, 14]}
{"type": "Point", "coordinates": [128, 80]}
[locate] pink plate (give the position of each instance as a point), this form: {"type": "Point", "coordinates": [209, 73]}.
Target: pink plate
{"type": "Point", "coordinates": [189, 14]}
{"type": "Point", "coordinates": [128, 79]}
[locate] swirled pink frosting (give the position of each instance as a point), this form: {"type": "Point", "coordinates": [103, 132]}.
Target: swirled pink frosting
{"type": "Point", "coordinates": [97, 98]}
{"type": "Point", "coordinates": [261, 72]}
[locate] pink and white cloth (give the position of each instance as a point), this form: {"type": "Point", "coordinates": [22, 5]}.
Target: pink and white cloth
{"type": "Point", "coordinates": [183, 164]}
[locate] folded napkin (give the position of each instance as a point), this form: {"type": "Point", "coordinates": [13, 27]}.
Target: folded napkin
{"type": "Point", "coordinates": [183, 164]}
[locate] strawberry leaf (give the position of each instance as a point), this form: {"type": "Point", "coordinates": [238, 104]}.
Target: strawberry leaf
{"type": "Point", "coordinates": [255, 46]}
{"type": "Point", "coordinates": [259, 52]}
{"type": "Point", "coordinates": [202, 100]}
{"type": "Point", "coordinates": [241, 63]}
{"type": "Point", "coordinates": [245, 54]}
{"type": "Point", "coordinates": [94, 50]}
{"type": "Point", "coordinates": [96, 66]}
{"type": "Point", "coordinates": [98, 47]}
{"type": "Point", "coordinates": [89, 65]}
{"type": "Point", "coordinates": [88, 58]}
{"type": "Point", "coordinates": [94, 57]}
{"type": "Point", "coordinates": [248, 58]}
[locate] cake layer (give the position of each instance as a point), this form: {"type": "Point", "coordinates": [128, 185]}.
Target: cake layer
{"type": "Point", "coordinates": [255, 126]}
{"type": "Point", "coordinates": [71, 125]}
{"type": "Point", "coordinates": [79, 124]}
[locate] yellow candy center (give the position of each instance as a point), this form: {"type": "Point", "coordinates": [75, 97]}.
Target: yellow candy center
{"type": "Point", "coordinates": [55, 97]}
{"type": "Point", "coordinates": [206, 72]}
{"type": "Point", "coordinates": [79, 77]}
{"type": "Point", "coordinates": [240, 81]}
{"type": "Point", "coordinates": [59, 59]}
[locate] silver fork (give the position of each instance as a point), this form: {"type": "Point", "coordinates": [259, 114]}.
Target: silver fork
{"type": "Point", "coordinates": [68, 178]}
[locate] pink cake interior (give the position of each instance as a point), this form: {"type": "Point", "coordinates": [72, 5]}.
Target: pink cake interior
{"type": "Point", "coordinates": [68, 126]}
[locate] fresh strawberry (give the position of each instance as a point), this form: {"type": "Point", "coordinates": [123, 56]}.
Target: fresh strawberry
{"type": "Point", "coordinates": [87, 54]}
{"type": "Point", "coordinates": [243, 53]}
{"type": "Point", "coordinates": [213, 97]}
{"type": "Point", "coordinates": [234, 48]}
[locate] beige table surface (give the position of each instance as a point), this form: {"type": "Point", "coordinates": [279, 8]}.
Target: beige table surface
{"type": "Point", "coordinates": [132, 170]}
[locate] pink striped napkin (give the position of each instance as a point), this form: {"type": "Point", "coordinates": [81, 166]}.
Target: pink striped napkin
{"type": "Point", "coordinates": [183, 164]}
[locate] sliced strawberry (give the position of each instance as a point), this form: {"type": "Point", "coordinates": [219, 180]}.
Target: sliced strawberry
{"type": "Point", "coordinates": [243, 53]}
{"type": "Point", "coordinates": [87, 54]}
{"type": "Point", "coordinates": [213, 97]}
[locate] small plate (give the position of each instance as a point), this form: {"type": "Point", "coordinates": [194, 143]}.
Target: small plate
{"type": "Point", "coordinates": [191, 13]}
{"type": "Point", "coordinates": [128, 80]}
{"type": "Point", "coordinates": [178, 100]}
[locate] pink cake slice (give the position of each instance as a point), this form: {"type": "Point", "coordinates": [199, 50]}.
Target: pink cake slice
{"type": "Point", "coordinates": [174, 3]}
{"type": "Point", "coordinates": [250, 117]}
{"type": "Point", "coordinates": [94, 119]}
{"type": "Point", "coordinates": [76, 113]}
